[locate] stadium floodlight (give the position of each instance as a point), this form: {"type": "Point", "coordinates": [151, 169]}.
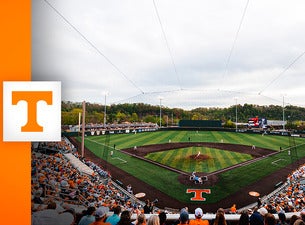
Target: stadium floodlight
{"type": "Point", "coordinates": [160, 98]}
{"type": "Point", "coordinates": [284, 111]}
{"type": "Point", "coordinates": [235, 114]}
{"type": "Point", "coordinates": [106, 93]}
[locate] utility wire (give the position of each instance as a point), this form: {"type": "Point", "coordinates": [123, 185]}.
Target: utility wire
{"type": "Point", "coordinates": [92, 45]}
{"type": "Point", "coordinates": [167, 45]}
{"type": "Point", "coordinates": [278, 76]}
{"type": "Point", "coordinates": [235, 39]}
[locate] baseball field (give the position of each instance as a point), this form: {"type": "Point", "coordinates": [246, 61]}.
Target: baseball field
{"type": "Point", "coordinates": [161, 163]}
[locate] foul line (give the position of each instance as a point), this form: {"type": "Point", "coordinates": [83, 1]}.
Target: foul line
{"type": "Point", "coordinates": [276, 161]}
{"type": "Point", "coordinates": [123, 161]}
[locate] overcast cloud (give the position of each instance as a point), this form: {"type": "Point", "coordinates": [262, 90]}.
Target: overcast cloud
{"type": "Point", "coordinates": [134, 62]}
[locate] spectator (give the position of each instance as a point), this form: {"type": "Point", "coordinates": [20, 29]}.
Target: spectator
{"type": "Point", "coordinates": [148, 207]}
{"type": "Point", "coordinates": [219, 210]}
{"type": "Point", "coordinates": [263, 211]}
{"type": "Point", "coordinates": [282, 219]}
{"type": "Point", "coordinates": [88, 217]}
{"type": "Point", "coordinates": [198, 220]}
{"type": "Point", "coordinates": [220, 219]}
{"type": "Point", "coordinates": [100, 216]}
{"type": "Point", "coordinates": [125, 218]}
{"type": "Point", "coordinates": [115, 218]}
{"type": "Point", "coordinates": [233, 209]}
{"type": "Point", "coordinates": [153, 220]}
{"type": "Point", "coordinates": [141, 219]}
{"type": "Point", "coordinates": [302, 214]}
{"type": "Point", "coordinates": [129, 189]}
{"type": "Point", "coordinates": [293, 219]}
{"type": "Point", "coordinates": [36, 198]}
{"type": "Point", "coordinates": [244, 218]}
{"type": "Point", "coordinates": [256, 218]}
{"type": "Point", "coordinates": [184, 217]}
{"type": "Point", "coordinates": [299, 222]}
{"type": "Point", "coordinates": [162, 218]}
{"type": "Point", "coordinates": [269, 219]}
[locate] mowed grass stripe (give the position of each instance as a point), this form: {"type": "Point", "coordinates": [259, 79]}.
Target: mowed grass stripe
{"type": "Point", "coordinates": [257, 140]}
{"type": "Point", "coordinates": [233, 138]}
{"type": "Point", "coordinates": [179, 137]}
{"type": "Point", "coordinates": [220, 156]}
{"type": "Point", "coordinates": [168, 157]}
{"type": "Point", "coordinates": [158, 137]}
{"type": "Point", "coordinates": [211, 161]}
{"type": "Point", "coordinates": [217, 137]}
{"type": "Point", "coordinates": [232, 159]}
{"type": "Point", "coordinates": [185, 160]}
{"type": "Point", "coordinates": [176, 159]}
{"type": "Point", "coordinates": [138, 139]}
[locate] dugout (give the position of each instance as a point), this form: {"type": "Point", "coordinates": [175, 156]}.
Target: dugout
{"type": "Point", "coordinates": [200, 123]}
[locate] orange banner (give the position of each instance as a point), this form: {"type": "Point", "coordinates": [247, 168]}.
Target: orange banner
{"type": "Point", "coordinates": [15, 65]}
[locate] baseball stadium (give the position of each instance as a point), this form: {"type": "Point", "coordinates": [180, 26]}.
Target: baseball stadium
{"type": "Point", "coordinates": [177, 167]}
{"type": "Point", "coordinates": [190, 111]}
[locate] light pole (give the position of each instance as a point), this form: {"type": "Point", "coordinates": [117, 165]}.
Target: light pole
{"type": "Point", "coordinates": [283, 114]}
{"type": "Point", "coordinates": [235, 114]}
{"type": "Point", "coordinates": [160, 111]}
{"type": "Point", "coordinates": [105, 113]}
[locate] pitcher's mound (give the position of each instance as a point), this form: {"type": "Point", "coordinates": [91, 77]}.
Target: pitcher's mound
{"type": "Point", "coordinates": [200, 157]}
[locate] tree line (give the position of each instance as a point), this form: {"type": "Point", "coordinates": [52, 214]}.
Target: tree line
{"type": "Point", "coordinates": [140, 112]}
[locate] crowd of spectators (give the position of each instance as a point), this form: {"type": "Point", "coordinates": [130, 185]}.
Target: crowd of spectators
{"type": "Point", "coordinates": [56, 181]}
{"type": "Point", "coordinates": [290, 198]}
{"type": "Point", "coordinates": [57, 187]}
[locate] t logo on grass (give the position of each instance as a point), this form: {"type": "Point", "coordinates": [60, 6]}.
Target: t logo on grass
{"type": "Point", "coordinates": [198, 194]}
{"type": "Point", "coordinates": [31, 111]}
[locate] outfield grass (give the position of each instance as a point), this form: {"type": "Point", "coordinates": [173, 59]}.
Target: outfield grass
{"type": "Point", "coordinates": [166, 180]}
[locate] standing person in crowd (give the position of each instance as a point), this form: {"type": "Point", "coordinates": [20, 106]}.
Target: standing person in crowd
{"type": "Point", "coordinates": [148, 207]}
{"type": "Point", "coordinates": [136, 210]}
{"type": "Point", "coordinates": [269, 219]}
{"type": "Point", "coordinates": [125, 218]}
{"type": "Point", "coordinates": [220, 218]}
{"type": "Point", "coordinates": [100, 216]}
{"type": "Point", "coordinates": [88, 217]}
{"type": "Point", "coordinates": [198, 220]}
{"type": "Point", "coordinates": [233, 209]}
{"type": "Point", "coordinates": [184, 217]}
{"type": "Point", "coordinates": [244, 218]}
{"type": "Point", "coordinates": [299, 222]}
{"type": "Point", "coordinates": [282, 219]}
{"type": "Point", "coordinates": [115, 218]}
{"type": "Point", "coordinates": [219, 211]}
{"type": "Point", "coordinates": [141, 219]}
{"type": "Point", "coordinates": [256, 218]}
{"type": "Point", "coordinates": [302, 215]}
{"type": "Point", "coordinates": [259, 202]}
{"type": "Point", "coordinates": [153, 220]}
{"type": "Point", "coordinates": [162, 218]}
{"type": "Point", "coordinates": [293, 219]}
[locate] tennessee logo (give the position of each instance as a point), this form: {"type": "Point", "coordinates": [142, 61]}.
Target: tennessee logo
{"type": "Point", "coordinates": [198, 194]}
{"type": "Point", "coordinates": [32, 111]}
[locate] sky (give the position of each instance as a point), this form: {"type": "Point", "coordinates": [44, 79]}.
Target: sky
{"type": "Point", "coordinates": [177, 53]}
